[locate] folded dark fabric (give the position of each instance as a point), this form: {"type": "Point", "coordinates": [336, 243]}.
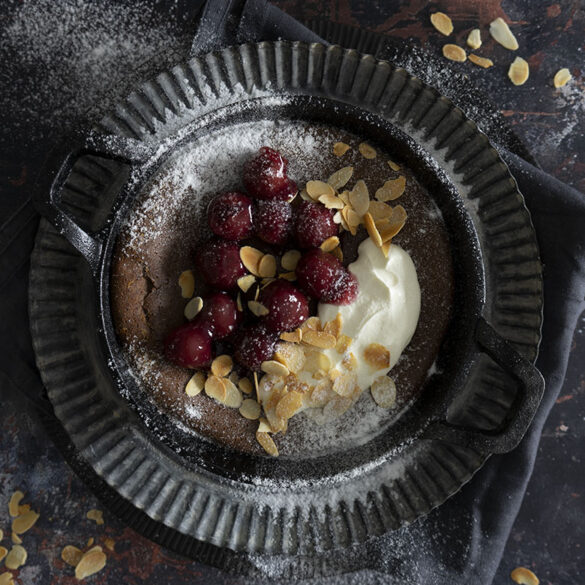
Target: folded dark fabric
{"type": "Point", "coordinates": [462, 541]}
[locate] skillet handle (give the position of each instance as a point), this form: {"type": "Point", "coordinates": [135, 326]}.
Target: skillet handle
{"type": "Point", "coordinates": [530, 391]}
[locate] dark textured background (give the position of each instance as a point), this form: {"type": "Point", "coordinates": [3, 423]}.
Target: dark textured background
{"type": "Point", "coordinates": [549, 534]}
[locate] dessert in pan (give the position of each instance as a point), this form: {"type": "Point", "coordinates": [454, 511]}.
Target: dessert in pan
{"type": "Point", "coordinates": [282, 288]}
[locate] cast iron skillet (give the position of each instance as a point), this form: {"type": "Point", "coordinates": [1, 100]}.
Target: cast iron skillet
{"type": "Point", "coordinates": [386, 107]}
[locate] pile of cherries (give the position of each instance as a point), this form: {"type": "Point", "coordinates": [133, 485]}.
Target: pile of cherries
{"type": "Point", "coordinates": [267, 214]}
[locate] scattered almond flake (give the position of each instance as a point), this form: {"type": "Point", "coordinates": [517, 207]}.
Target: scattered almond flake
{"type": "Point", "coordinates": [187, 284]}
{"type": "Point", "coordinates": [257, 308]}
{"type": "Point", "coordinates": [3, 552]}
{"type": "Point", "coordinates": [193, 307]}
{"type": "Point", "coordinates": [481, 61]}
{"type": "Point", "coordinates": [265, 282]}
{"type": "Point", "coordinates": [334, 327]}
{"type": "Point", "coordinates": [454, 53]}
{"type": "Point", "coordinates": [290, 259]}
{"type": "Point", "coordinates": [267, 266]}
{"type": "Point", "coordinates": [91, 562]}
{"type": "Point", "coordinates": [344, 196]}
{"type": "Point", "coordinates": [109, 543]}
{"type": "Point", "coordinates": [331, 202]}
{"type": "Point", "coordinates": [274, 368]}
{"type": "Point", "coordinates": [337, 218]}
{"type": "Point", "coordinates": [289, 405]}
{"type": "Point", "coordinates": [343, 343]}
{"type": "Point", "coordinates": [1, 534]}
{"type": "Point", "coordinates": [245, 386]}
{"type": "Point", "coordinates": [334, 374]}
{"type": "Point", "coordinates": [340, 178]}
{"type": "Point", "coordinates": [320, 339]}
{"type": "Point", "coordinates": [372, 230]}
{"type": "Point", "coordinates": [90, 541]}
{"type": "Point", "coordinates": [215, 388]}
{"type": "Point", "coordinates": [315, 361]}
{"type": "Point", "coordinates": [16, 557]}
{"type": "Point", "coordinates": [359, 197]}
{"type": "Point", "coordinates": [393, 165]}
{"type": "Point", "coordinates": [256, 381]}
{"type": "Point", "coordinates": [264, 427]}
{"type": "Point", "coordinates": [562, 77]}
{"type": "Point", "coordinates": [233, 397]}
{"type": "Point", "coordinates": [367, 151]}
{"type": "Point", "coordinates": [337, 252]}
{"type": "Point", "coordinates": [337, 406]}
{"type": "Point", "coordinates": [71, 555]}
{"type": "Point", "coordinates": [250, 409]}
{"type": "Point", "coordinates": [386, 248]}
{"type": "Point", "coordinates": [524, 576]}
{"type": "Point", "coordinates": [346, 384]}
{"type": "Point", "coordinates": [340, 148]}
{"type": "Point", "coordinates": [519, 71]}
{"type": "Point", "coordinates": [23, 508]}
{"type": "Point", "coordinates": [501, 33]}
{"type": "Point", "coordinates": [97, 516]}
{"type": "Point", "coordinates": [317, 188]}
{"type": "Point", "coordinates": [442, 23]}
{"type": "Point", "coordinates": [250, 258]}
{"type": "Point", "coordinates": [14, 502]}
{"type": "Point", "coordinates": [15, 538]}
{"type": "Point", "coordinates": [290, 276]}
{"type": "Point", "coordinates": [245, 282]}
{"type": "Point", "coordinates": [377, 356]}
{"type": "Point", "coordinates": [384, 392]}
{"type": "Point", "coordinates": [25, 522]}
{"type": "Point", "coordinates": [391, 189]}
{"type": "Point", "coordinates": [304, 195]}
{"type": "Point", "coordinates": [267, 443]}
{"type": "Point", "coordinates": [474, 39]}
{"type": "Point", "coordinates": [321, 394]}
{"type": "Point", "coordinates": [6, 579]}
{"type": "Point", "coordinates": [312, 323]}
{"type": "Point", "coordinates": [239, 303]}
{"type": "Point", "coordinates": [349, 361]}
{"type": "Point", "coordinates": [379, 210]}
{"type": "Point", "coordinates": [388, 230]}
{"type": "Point", "coordinates": [351, 217]}
{"type": "Point", "coordinates": [290, 355]}
{"type": "Point", "coordinates": [195, 384]}
{"type": "Point", "coordinates": [295, 336]}
{"type": "Point", "coordinates": [329, 244]}
{"type": "Point", "coordinates": [222, 365]}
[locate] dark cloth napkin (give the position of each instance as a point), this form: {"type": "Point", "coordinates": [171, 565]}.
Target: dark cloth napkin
{"type": "Point", "coordinates": [463, 540]}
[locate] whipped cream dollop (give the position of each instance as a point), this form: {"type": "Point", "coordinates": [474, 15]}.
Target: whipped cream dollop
{"type": "Point", "coordinates": [385, 312]}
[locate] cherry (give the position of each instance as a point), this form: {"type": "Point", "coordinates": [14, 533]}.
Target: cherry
{"type": "Point", "coordinates": [219, 315]}
{"type": "Point", "coordinates": [219, 263]}
{"type": "Point", "coordinates": [288, 192]}
{"type": "Point", "coordinates": [265, 174]}
{"type": "Point", "coordinates": [287, 305]}
{"type": "Point", "coordinates": [253, 345]}
{"type": "Point", "coordinates": [230, 215]}
{"type": "Point", "coordinates": [314, 224]}
{"type": "Point", "coordinates": [273, 221]}
{"type": "Point", "coordinates": [189, 346]}
{"type": "Point", "coordinates": [345, 291]}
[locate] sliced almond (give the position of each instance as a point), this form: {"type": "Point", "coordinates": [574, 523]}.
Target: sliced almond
{"type": "Point", "coordinates": [349, 361]}
{"type": "Point", "coordinates": [562, 77]}
{"type": "Point", "coordinates": [337, 406]}
{"type": "Point", "coordinates": [337, 252]}
{"type": "Point", "coordinates": [233, 396]}
{"type": "Point", "coordinates": [394, 166]}
{"type": "Point", "coordinates": [290, 355]}
{"type": "Point", "coordinates": [250, 409]}
{"type": "Point", "coordinates": [187, 284]}
{"type": "Point", "coordinates": [239, 303]}
{"type": "Point", "coordinates": [377, 356]}
{"type": "Point", "coordinates": [442, 23]}
{"type": "Point", "coordinates": [6, 579]}
{"type": "Point", "coordinates": [334, 327]}
{"type": "Point", "coordinates": [96, 515]}
{"type": "Point", "coordinates": [524, 576]}
{"type": "Point", "coordinates": [267, 443]}
{"type": "Point", "coordinates": [315, 361]}
{"type": "Point", "coordinates": [295, 336]}
{"type": "Point", "coordinates": [331, 202]}
{"type": "Point", "coordinates": [481, 61]}
{"type": "Point", "coordinates": [91, 562]}
{"type": "Point", "coordinates": [25, 522]}
{"type": "Point", "coordinates": [359, 197]}
{"type": "Point", "coordinates": [257, 308]}
{"type": "Point", "coordinates": [16, 557]}
{"type": "Point", "coordinates": [346, 384]}
{"type": "Point", "coordinates": [289, 405]}
{"type": "Point", "coordinates": [389, 230]}
{"type": "Point", "coordinates": [195, 384]}
{"type": "Point", "coordinates": [234, 377]}
{"type": "Point", "coordinates": [304, 195]}
{"type": "Point", "coordinates": [275, 368]}
{"type": "Point", "coordinates": [109, 543]}
{"type": "Point", "coordinates": [193, 307]}
{"type": "Point", "coordinates": [90, 542]}
{"type": "Point", "coordinates": [250, 258]}
{"type": "Point", "coordinates": [344, 196]}
{"type": "Point", "coordinates": [351, 217]}
{"type": "Point", "coordinates": [71, 555]}
{"type": "Point", "coordinates": [340, 178]}
{"type": "Point", "coordinates": [343, 343]}
{"type": "Point", "coordinates": [317, 188]}
{"type": "Point", "coordinates": [14, 503]}
{"type": "Point", "coordinates": [519, 71]}
{"type": "Point", "coordinates": [222, 365]}
{"type": "Point", "coordinates": [329, 244]}
{"type": "Point", "coordinates": [267, 266]}
{"type": "Point", "coordinates": [15, 538]}
{"type": "Point", "coordinates": [23, 509]}
{"type": "Point", "coordinates": [386, 248]}
{"type": "Point", "coordinates": [264, 427]}
{"type": "Point", "coordinates": [340, 148]}
{"type": "Point", "coordinates": [372, 230]}
{"type": "Point", "coordinates": [290, 259]}
{"type": "Point", "coordinates": [290, 276]}
{"type": "Point", "coordinates": [474, 39]}
{"type": "Point", "coordinates": [245, 282]}
{"type": "Point", "coordinates": [3, 552]}
{"type": "Point", "coordinates": [215, 388]}
{"type": "Point", "coordinates": [312, 323]}
{"type": "Point", "coordinates": [454, 53]}
{"type": "Point", "coordinates": [379, 210]}
{"type": "Point", "coordinates": [320, 339]}
{"type": "Point", "coordinates": [367, 151]}
{"type": "Point", "coordinates": [391, 189]}
{"type": "Point", "coordinates": [245, 386]}
{"type": "Point", "coordinates": [256, 381]}
{"type": "Point", "coordinates": [384, 392]}
{"type": "Point", "coordinates": [501, 33]}
{"type": "Point", "coordinates": [1, 534]}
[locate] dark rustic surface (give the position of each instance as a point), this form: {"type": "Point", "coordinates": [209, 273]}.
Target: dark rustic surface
{"type": "Point", "coordinates": [549, 534]}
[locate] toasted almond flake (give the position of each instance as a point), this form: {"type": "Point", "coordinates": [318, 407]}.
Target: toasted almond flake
{"type": "Point", "coordinates": [71, 555]}
{"type": "Point", "coordinates": [349, 361]}
{"type": "Point", "coordinates": [250, 409]}
{"type": "Point", "coordinates": [343, 343]}
{"type": "Point", "coordinates": [340, 148]}
{"type": "Point", "coordinates": [386, 248]}
{"type": "Point", "coordinates": [295, 336]}
{"type": "Point", "coordinates": [233, 396]}
{"type": "Point", "coordinates": [379, 210]}
{"type": "Point", "coordinates": [304, 195]}
{"type": "Point", "coordinates": [265, 283]}
{"type": "Point", "coordinates": [481, 61]}
{"type": "Point", "coordinates": [359, 197]}
{"type": "Point", "coordinates": [340, 178]}
{"type": "Point", "coordinates": [3, 552]}
{"type": "Point", "coordinates": [442, 23]}
{"type": "Point", "coordinates": [15, 538]}
{"type": "Point", "coordinates": [334, 327]}
{"type": "Point", "coordinates": [345, 384]}
{"type": "Point", "coordinates": [109, 543]}
{"type": "Point", "coordinates": [234, 377]}
{"type": "Point", "coordinates": [352, 218]}
{"type": "Point", "coordinates": [289, 405]}
{"type": "Point", "coordinates": [337, 218]}
{"type": "Point", "coordinates": [312, 323]}
{"type": "Point", "coordinates": [195, 384]}
{"type": "Point", "coordinates": [338, 253]}
{"type": "Point", "coordinates": [383, 392]}
{"type": "Point", "coordinates": [337, 406]}
{"type": "Point", "coordinates": [474, 39]}
{"type": "Point", "coordinates": [97, 516]}
{"type": "Point", "coordinates": [290, 355]}
{"type": "Point", "coordinates": [501, 33]}
{"type": "Point", "coordinates": [23, 508]}
{"type": "Point", "coordinates": [245, 282]}
{"type": "Point", "coordinates": [290, 276]}
{"type": "Point", "coordinates": [392, 189]}
{"type": "Point", "coordinates": [239, 303]}
{"type": "Point", "coordinates": [394, 166]}
{"type": "Point", "coordinates": [222, 365]}
{"type": "Point", "coordinates": [275, 368]}
{"type": "Point", "coordinates": [344, 196]}
{"type": "Point", "coordinates": [315, 361]}
{"type": "Point", "coordinates": [215, 388]}
{"type": "Point", "coordinates": [25, 522]}
{"type": "Point", "coordinates": [6, 579]}
{"type": "Point", "coordinates": [91, 562]}
{"type": "Point", "coordinates": [524, 576]}
{"type": "Point", "coordinates": [90, 541]}
{"type": "Point", "coordinates": [319, 339]}
{"type": "Point", "coordinates": [372, 230]}
{"type": "Point", "coordinates": [256, 381]}
{"type": "Point", "coordinates": [367, 151]}
{"type": "Point", "coordinates": [263, 426]}
{"type": "Point", "coordinates": [245, 386]}
{"type": "Point", "coordinates": [331, 202]}
{"type": "Point", "coordinates": [267, 266]}
{"type": "Point", "coordinates": [250, 258]}
{"type": "Point", "coordinates": [454, 53]}
{"type": "Point", "coordinates": [193, 307]}
{"type": "Point", "coordinates": [562, 77]}
{"type": "Point", "coordinates": [1, 534]}
{"type": "Point", "coordinates": [16, 557]}
{"type": "Point", "coordinates": [267, 443]}
{"type": "Point", "coordinates": [290, 259]}
{"type": "Point", "coordinates": [329, 244]}
{"type": "Point", "coordinates": [317, 188]}
{"type": "Point", "coordinates": [519, 71]}
{"type": "Point", "coordinates": [377, 356]}
{"type": "Point", "coordinates": [14, 503]}
{"type": "Point", "coordinates": [388, 231]}
{"type": "Point", "coordinates": [187, 284]}
{"type": "Point", "coordinates": [257, 308]}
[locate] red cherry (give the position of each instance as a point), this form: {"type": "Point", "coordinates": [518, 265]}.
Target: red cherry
{"type": "Point", "coordinates": [189, 346]}
{"type": "Point", "coordinates": [219, 263]}
{"type": "Point", "coordinates": [230, 216]}
{"type": "Point", "coordinates": [288, 192]}
{"type": "Point", "coordinates": [265, 174]}
{"type": "Point", "coordinates": [287, 305]}
{"type": "Point", "coordinates": [345, 291]}
{"type": "Point", "coordinates": [314, 224]}
{"type": "Point", "coordinates": [273, 221]}
{"type": "Point", "coordinates": [219, 315]}
{"type": "Point", "coordinates": [254, 344]}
